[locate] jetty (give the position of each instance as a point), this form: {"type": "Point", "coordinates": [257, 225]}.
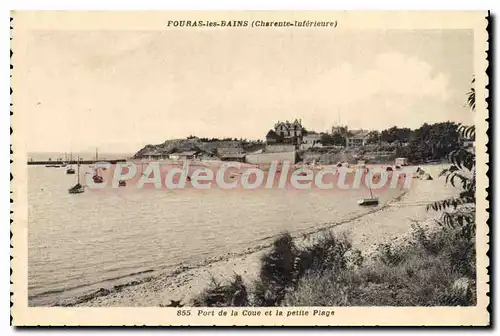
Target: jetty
{"type": "Point", "coordinates": [60, 162]}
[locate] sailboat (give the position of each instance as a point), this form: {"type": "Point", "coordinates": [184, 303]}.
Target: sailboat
{"type": "Point", "coordinates": [70, 170]}
{"type": "Point", "coordinates": [97, 178]}
{"type": "Point", "coordinates": [77, 188]}
{"type": "Point", "coordinates": [368, 201]}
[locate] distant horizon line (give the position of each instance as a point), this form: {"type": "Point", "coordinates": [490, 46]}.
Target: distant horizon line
{"type": "Point", "coordinates": [224, 137]}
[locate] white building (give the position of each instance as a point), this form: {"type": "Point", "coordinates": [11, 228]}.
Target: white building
{"type": "Point", "coordinates": [311, 140]}
{"type": "Point", "coordinates": [357, 139]}
{"type": "Point", "coordinates": [401, 162]}
{"type": "Point", "coordinates": [190, 155]}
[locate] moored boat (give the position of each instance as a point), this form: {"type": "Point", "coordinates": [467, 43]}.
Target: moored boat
{"type": "Point", "coordinates": [77, 188]}
{"type": "Point", "coordinates": [97, 178]}
{"type": "Point", "coordinates": [368, 200]}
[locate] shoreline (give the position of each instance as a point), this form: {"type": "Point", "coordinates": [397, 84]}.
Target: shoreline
{"type": "Point", "coordinates": [367, 230]}
{"type": "Point", "coordinates": [254, 251]}
{"type": "Point", "coordinates": [257, 249]}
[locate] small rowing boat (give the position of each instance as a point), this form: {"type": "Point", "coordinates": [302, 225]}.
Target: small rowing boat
{"type": "Point", "coordinates": [369, 200]}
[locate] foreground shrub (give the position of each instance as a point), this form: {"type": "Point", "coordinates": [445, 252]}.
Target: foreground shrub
{"type": "Point", "coordinates": [390, 255]}
{"type": "Point", "coordinates": [233, 294]}
{"type": "Point", "coordinates": [320, 290]}
{"type": "Point", "coordinates": [286, 263]}
{"type": "Point", "coordinates": [458, 248]}
{"type": "Point", "coordinates": [416, 274]}
{"type": "Point", "coordinates": [281, 268]}
{"type": "Point", "coordinates": [278, 272]}
{"type": "Point", "coordinates": [327, 252]}
{"type": "Point", "coordinates": [433, 269]}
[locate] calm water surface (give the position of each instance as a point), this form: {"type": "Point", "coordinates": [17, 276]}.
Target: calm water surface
{"type": "Point", "coordinates": [80, 243]}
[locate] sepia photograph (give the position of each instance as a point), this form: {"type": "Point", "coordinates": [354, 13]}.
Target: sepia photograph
{"type": "Point", "coordinates": [249, 168]}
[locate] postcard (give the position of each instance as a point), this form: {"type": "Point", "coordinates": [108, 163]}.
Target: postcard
{"type": "Point", "coordinates": [249, 168]}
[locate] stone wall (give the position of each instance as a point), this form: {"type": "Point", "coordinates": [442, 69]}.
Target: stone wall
{"type": "Point", "coordinates": [267, 158]}
{"type": "Point", "coordinates": [279, 148]}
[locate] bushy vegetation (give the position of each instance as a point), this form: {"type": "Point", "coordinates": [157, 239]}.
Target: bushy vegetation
{"type": "Point", "coordinates": [433, 269]}
{"type": "Point", "coordinates": [281, 269]}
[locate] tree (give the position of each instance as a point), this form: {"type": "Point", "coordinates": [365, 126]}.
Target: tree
{"type": "Point", "coordinates": [335, 139]}
{"type": "Point", "coordinates": [471, 96]}
{"type": "Point", "coordinates": [431, 142]}
{"type": "Point", "coordinates": [338, 139]}
{"type": "Point", "coordinates": [326, 139]}
{"type": "Point", "coordinates": [374, 137]}
{"type": "Point", "coordinates": [396, 134]}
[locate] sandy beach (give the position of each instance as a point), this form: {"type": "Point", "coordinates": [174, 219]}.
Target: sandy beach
{"type": "Point", "coordinates": [387, 223]}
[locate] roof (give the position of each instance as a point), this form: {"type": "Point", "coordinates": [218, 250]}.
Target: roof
{"type": "Point", "coordinates": [272, 134]}
{"type": "Point", "coordinates": [289, 125]}
{"type": "Point", "coordinates": [359, 134]}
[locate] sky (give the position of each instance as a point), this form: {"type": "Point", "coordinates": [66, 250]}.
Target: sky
{"type": "Point", "coordinates": [120, 90]}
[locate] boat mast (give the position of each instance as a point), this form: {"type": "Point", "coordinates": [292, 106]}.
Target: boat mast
{"type": "Point", "coordinates": [369, 185]}
{"type": "Point", "coordinates": [78, 169]}
{"type": "Point", "coordinates": [95, 163]}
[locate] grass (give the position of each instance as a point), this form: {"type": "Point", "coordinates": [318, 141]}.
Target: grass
{"type": "Point", "coordinates": [433, 269]}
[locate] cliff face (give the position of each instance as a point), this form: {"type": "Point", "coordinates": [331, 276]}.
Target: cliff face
{"type": "Point", "coordinates": [184, 145]}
